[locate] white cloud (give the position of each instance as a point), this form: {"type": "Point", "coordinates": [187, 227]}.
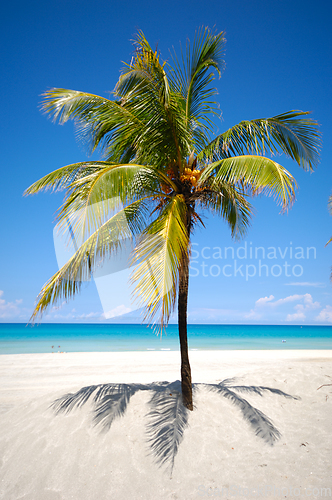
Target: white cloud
{"type": "Point", "coordinates": [305, 303]}
{"type": "Point", "coordinates": [325, 315]}
{"type": "Point", "coordinates": [264, 300]}
{"type": "Point", "coordinates": [268, 301]}
{"type": "Point", "coordinates": [299, 316]}
{"type": "Point", "coordinates": [309, 303]}
{"type": "Point", "coordinates": [290, 298]}
{"type": "Point", "coordinates": [9, 309]}
{"type": "Point", "coordinates": [302, 309]}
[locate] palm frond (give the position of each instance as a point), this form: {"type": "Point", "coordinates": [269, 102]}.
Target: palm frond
{"type": "Point", "coordinates": [96, 117]}
{"type": "Point", "coordinates": [67, 104]}
{"type": "Point", "coordinates": [92, 199]}
{"type": "Point", "coordinates": [254, 175]}
{"type": "Point", "coordinates": [288, 133]}
{"type": "Point", "coordinates": [144, 74]}
{"type": "Point", "coordinates": [329, 205]}
{"type": "Point", "coordinates": [193, 73]}
{"type": "Point", "coordinates": [101, 244]}
{"type": "Point", "coordinates": [62, 177]}
{"type": "Point", "coordinates": [224, 200]}
{"type": "Point", "coordinates": [144, 89]}
{"type": "Point", "coordinates": [158, 256]}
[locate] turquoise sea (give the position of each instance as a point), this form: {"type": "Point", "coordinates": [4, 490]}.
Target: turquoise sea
{"type": "Point", "coordinates": [18, 338]}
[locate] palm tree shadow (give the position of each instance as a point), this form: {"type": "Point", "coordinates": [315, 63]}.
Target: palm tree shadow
{"type": "Point", "coordinates": [167, 417]}
{"type": "Point", "coordinates": [260, 423]}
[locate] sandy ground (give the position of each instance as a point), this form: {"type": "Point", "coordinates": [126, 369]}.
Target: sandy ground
{"type": "Point", "coordinates": [145, 446]}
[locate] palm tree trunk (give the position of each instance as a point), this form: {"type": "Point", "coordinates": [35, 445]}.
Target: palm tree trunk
{"type": "Point", "coordinates": [186, 386]}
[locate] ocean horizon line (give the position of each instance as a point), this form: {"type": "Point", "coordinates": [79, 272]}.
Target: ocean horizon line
{"type": "Point", "coordinates": [170, 324]}
{"type": "Point", "coordinates": [18, 338]}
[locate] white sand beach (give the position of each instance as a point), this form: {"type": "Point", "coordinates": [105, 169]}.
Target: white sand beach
{"type": "Point", "coordinates": [49, 456]}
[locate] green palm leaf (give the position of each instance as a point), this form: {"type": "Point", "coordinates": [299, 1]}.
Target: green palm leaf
{"type": "Point", "coordinates": [159, 253]}
{"type": "Point", "coordinates": [329, 206]}
{"type": "Point", "coordinates": [288, 133]}
{"type": "Point", "coordinates": [144, 89]}
{"type": "Point", "coordinates": [222, 199]}
{"type": "Point", "coordinates": [61, 178]}
{"type": "Point", "coordinates": [193, 73]}
{"type": "Point", "coordinates": [144, 75]}
{"type": "Point", "coordinates": [66, 282]}
{"type": "Point", "coordinates": [93, 198]}
{"type": "Point", "coordinates": [96, 117]}
{"type": "Point", "coordinates": [255, 175]}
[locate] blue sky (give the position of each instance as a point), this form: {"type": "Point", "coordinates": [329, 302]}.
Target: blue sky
{"type": "Point", "coordinates": [278, 58]}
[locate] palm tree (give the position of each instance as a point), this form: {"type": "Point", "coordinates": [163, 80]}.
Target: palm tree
{"type": "Point", "coordinates": [160, 170]}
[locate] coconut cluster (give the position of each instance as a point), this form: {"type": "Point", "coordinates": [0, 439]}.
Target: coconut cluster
{"type": "Point", "coordinates": [191, 176]}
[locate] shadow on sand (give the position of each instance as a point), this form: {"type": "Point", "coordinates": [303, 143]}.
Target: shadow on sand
{"type": "Point", "coordinates": [166, 417]}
